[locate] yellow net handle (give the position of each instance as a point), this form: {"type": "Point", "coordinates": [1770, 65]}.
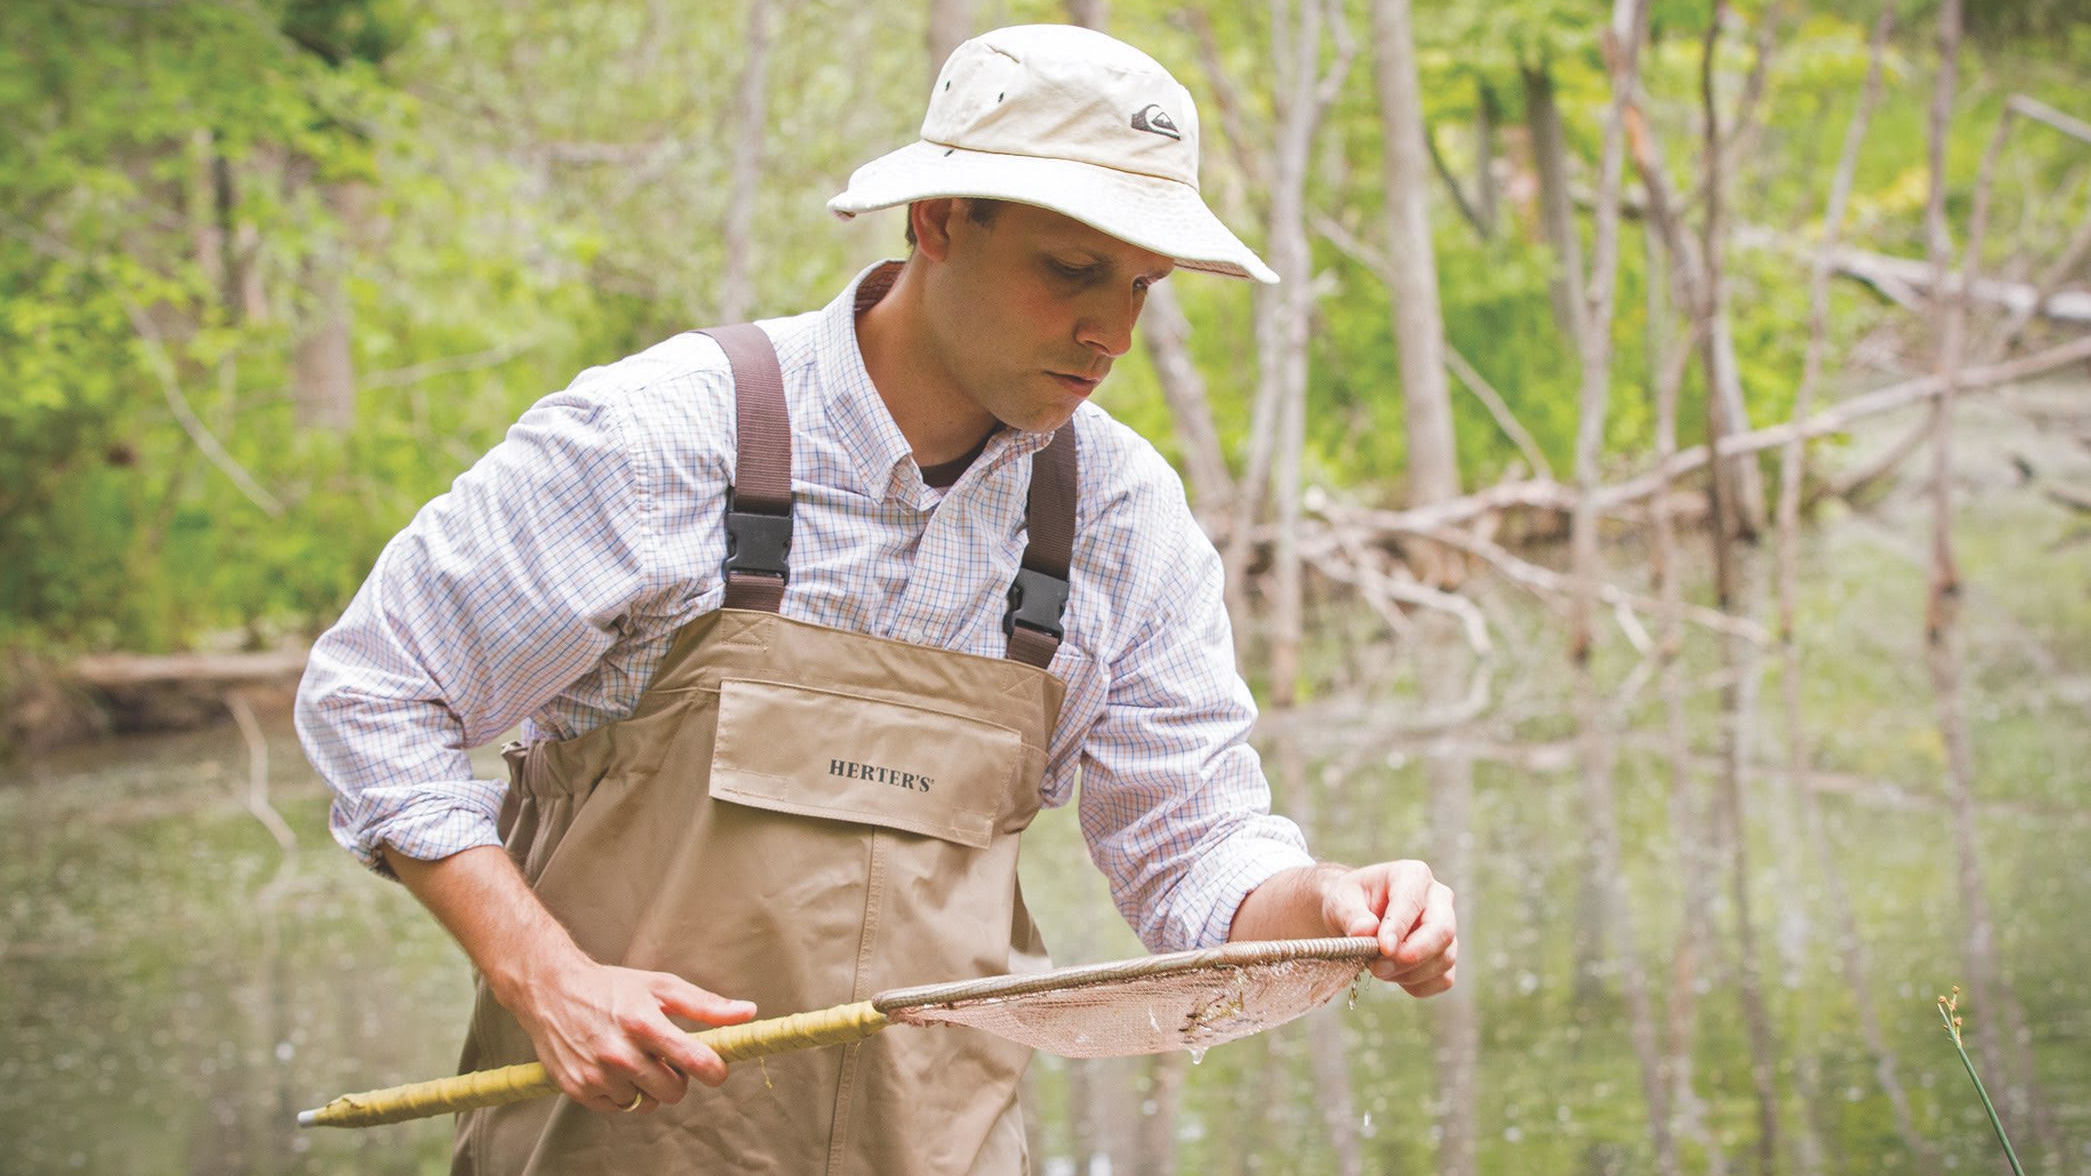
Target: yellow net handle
{"type": "Point", "coordinates": [492, 1088]}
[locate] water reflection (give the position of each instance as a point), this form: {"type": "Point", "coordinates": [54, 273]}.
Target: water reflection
{"type": "Point", "coordinates": [173, 985]}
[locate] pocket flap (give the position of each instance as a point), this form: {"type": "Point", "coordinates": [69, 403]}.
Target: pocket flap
{"type": "Point", "coordinates": [823, 753]}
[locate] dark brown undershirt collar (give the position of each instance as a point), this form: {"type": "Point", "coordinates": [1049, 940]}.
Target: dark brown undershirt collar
{"type": "Point", "coordinates": [945, 474]}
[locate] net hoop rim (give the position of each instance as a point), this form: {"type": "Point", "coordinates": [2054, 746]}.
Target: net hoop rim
{"type": "Point", "coordinates": [1360, 950]}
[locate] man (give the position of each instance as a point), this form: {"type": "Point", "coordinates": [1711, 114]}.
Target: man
{"type": "Point", "coordinates": [792, 766]}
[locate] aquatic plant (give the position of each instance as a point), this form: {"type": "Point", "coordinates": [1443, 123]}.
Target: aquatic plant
{"type": "Point", "coordinates": [1949, 1012]}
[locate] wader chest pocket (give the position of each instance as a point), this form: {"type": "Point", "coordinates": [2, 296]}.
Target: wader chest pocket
{"type": "Point", "coordinates": [822, 753]}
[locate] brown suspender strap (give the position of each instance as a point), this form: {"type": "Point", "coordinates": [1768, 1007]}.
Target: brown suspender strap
{"type": "Point", "coordinates": [1038, 598]}
{"type": "Point", "coordinates": [758, 504]}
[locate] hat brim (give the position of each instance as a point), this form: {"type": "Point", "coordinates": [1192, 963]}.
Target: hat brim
{"type": "Point", "coordinates": [1159, 215]}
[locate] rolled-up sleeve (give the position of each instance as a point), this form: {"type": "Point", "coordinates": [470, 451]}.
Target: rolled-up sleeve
{"type": "Point", "coordinates": [1174, 804]}
{"type": "Point", "coordinates": [497, 596]}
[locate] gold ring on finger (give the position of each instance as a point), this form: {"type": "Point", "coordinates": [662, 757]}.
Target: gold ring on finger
{"type": "Point", "coordinates": [637, 1098]}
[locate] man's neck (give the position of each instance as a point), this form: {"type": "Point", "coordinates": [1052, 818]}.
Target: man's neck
{"type": "Point", "coordinates": [941, 423]}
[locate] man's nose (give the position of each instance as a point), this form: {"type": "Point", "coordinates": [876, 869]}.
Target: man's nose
{"type": "Point", "coordinates": [1108, 325]}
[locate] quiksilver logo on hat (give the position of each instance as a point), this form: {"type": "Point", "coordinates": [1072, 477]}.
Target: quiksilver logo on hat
{"type": "Point", "coordinates": [1153, 118]}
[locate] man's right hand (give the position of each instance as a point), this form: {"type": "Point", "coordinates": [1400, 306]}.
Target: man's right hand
{"type": "Point", "coordinates": [604, 1035]}
{"type": "Point", "coordinates": [602, 1032]}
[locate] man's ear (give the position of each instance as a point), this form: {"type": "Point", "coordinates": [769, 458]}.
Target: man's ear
{"type": "Point", "coordinates": [932, 222]}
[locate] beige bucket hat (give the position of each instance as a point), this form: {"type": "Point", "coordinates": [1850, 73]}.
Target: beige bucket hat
{"type": "Point", "coordinates": [1071, 120]}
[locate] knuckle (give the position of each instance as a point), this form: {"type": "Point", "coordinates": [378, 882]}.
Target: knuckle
{"type": "Point", "coordinates": [622, 1064]}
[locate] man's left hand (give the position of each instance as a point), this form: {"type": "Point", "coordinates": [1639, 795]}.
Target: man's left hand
{"type": "Point", "coordinates": [1410, 912]}
{"type": "Point", "coordinates": [1399, 903]}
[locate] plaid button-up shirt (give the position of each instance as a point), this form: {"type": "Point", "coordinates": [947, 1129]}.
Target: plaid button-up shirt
{"type": "Point", "coordinates": [546, 585]}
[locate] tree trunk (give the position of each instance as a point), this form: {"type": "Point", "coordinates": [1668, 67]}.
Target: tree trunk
{"type": "Point", "coordinates": [1556, 204]}
{"type": "Point", "coordinates": [1327, 1056]}
{"type": "Point", "coordinates": [245, 288]}
{"type": "Point", "coordinates": [1486, 115]}
{"type": "Point", "coordinates": [1419, 327]}
{"type": "Point", "coordinates": [1851, 949]}
{"type": "Point", "coordinates": [1688, 823]}
{"type": "Point", "coordinates": [1456, 1015]}
{"type": "Point", "coordinates": [1738, 709]}
{"type": "Point", "coordinates": [209, 241]}
{"type": "Point", "coordinates": [950, 22]}
{"type": "Point", "coordinates": [1283, 316]}
{"type": "Point", "coordinates": [323, 373]}
{"type": "Point", "coordinates": [1154, 1145]}
{"type": "Point", "coordinates": [736, 285]}
{"type": "Point", "coordinates": [1090, 14]}
{"type": "Point", "coordinates": [1167, 334]}
{"type": "Point", "coordinates": [1740, 483]}
{"type": "Point", "coordinates": [1595, 752]}
{"type": "Point", "coordinates": [2001, 1044]}
{"type": "Point", "coordinates": [1248, 1127]}
{"type": "Point", "coordinates": [1085, 1132]}
{"type": "Point", "coordinates": [1737, 485]}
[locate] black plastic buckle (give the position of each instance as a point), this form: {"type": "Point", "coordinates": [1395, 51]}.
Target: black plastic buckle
{"type": "Point", "coordinates": [1036, 601]}
{"type": "Point", "coordinates": [757, 543]}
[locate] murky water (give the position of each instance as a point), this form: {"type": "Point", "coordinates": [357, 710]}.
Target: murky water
{"type": "Point", "coordinates": [173, 987]}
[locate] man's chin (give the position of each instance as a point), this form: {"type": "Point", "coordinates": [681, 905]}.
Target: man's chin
{"type": "Point", "coordinates": [1046, 420]}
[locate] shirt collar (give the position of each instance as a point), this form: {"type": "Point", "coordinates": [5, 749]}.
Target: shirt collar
{"type": "Point", "coordinates": [862, 423]}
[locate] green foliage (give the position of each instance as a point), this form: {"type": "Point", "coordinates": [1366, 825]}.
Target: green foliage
{"type": "Point", "coordinates": [514, 193]}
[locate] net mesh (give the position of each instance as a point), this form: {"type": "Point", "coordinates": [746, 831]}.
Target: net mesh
{"type": "Point", "coordinates": [1189, 1000]}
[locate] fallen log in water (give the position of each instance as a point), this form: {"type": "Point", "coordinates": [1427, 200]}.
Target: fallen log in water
{"type": "Point", "coordinates": [164, 692]}
{"type": "Point", "coordinates": [1909, 281]}
{"type": "Point", "coordinates": [117, 671]}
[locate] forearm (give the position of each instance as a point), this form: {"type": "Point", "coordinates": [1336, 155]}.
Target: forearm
{"type": "Point", "coordinates": [602, 1032]}
{"type": "Point", "coordinates": [482, 899]}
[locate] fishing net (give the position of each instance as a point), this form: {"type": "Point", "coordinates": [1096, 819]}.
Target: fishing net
{"type": "Point", "coordinates": [1188, 1000]}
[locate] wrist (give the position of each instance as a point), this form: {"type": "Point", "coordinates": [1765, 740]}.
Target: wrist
{"type": "Point", "coordinates": [1319, 883]}
{"type": "Point", "coordinates": [522, 980]}
{"type": "Point", "coordinates": [1291, 904]}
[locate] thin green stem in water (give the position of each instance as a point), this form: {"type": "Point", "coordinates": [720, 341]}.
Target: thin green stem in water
{"type": "Point", "coordinates": [1949, 1013]}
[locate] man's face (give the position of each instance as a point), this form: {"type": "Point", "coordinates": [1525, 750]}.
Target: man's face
{"type": "Point", "coordinates": [1029, 311]}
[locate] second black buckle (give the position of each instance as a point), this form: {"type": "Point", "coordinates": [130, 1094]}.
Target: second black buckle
{"type": "Point", "coordinates": [1036, 601]}
{"type": "Point", "coordinates": [758, 543]}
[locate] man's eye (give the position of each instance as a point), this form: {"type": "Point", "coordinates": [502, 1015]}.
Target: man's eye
{"type": "Point", "coordinates": [1067, 270]}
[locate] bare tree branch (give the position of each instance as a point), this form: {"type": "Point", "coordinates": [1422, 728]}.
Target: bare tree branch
{"type": "Point", "coordinates": [1499, 409]}
{"type": "Point", "coordinates": [162, 365]}
{"type": "Point", "coordinates": [1525, 574]}
{"type": "Point", "coordinates": [744, 178]}
{"type": "Point", "coordinates": [1245, 144]}
{"type": "Point", "coordinates": [256, 796]}
{"type": "Point", "coordinates": [2041, 112]}
{"type": "Point", "coordinates": [2051, 280]}
{"type": "Point", "coordinates": [1467, 211]}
